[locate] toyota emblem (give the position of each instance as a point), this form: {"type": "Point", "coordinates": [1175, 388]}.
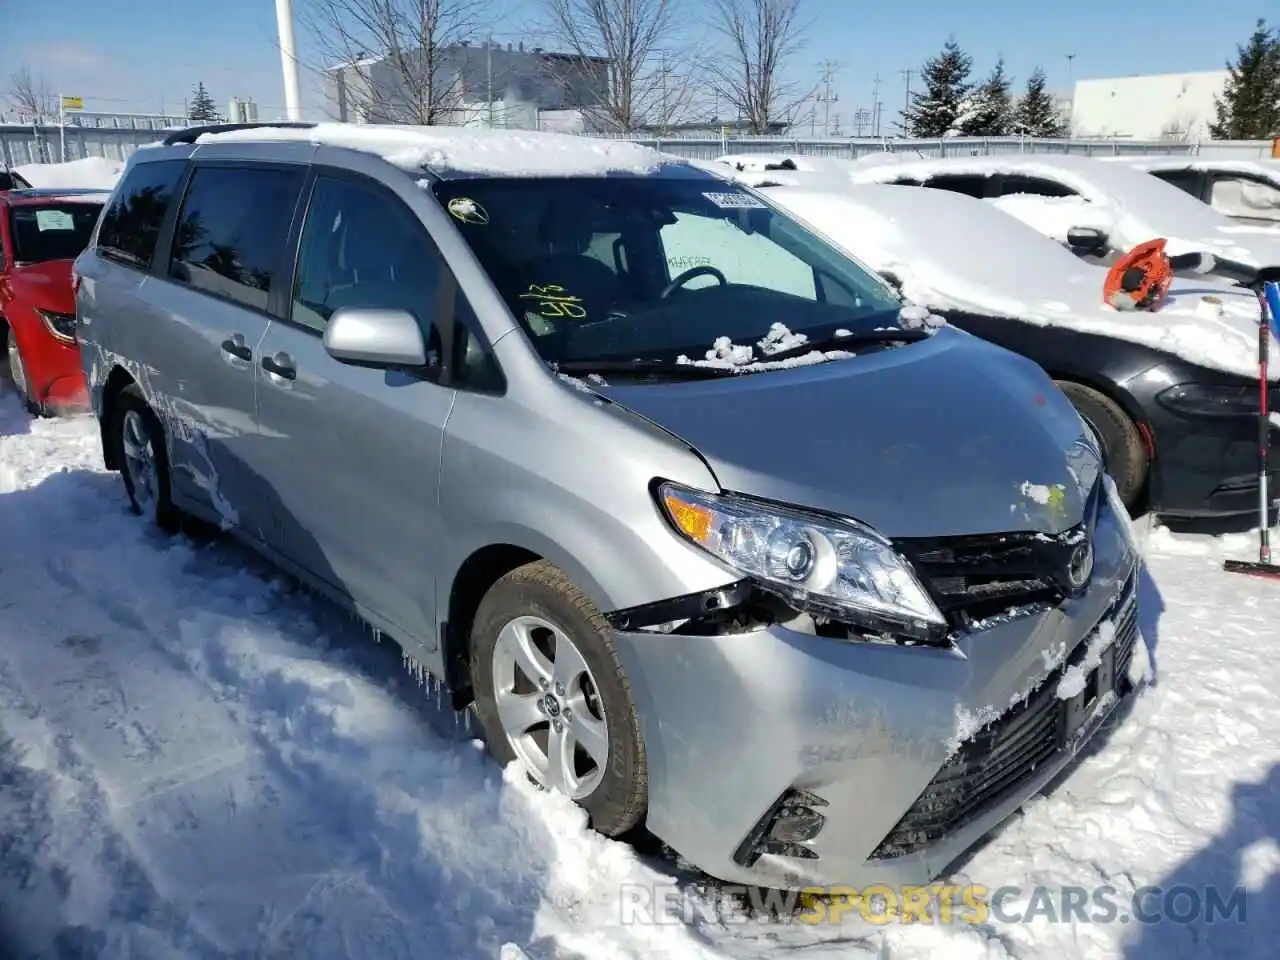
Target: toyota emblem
{"type": "Point", "coordinates": [1080, 565]}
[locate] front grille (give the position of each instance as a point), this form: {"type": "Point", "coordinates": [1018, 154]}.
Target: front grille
{"type": "Point", "coordinates": [1008, 751]}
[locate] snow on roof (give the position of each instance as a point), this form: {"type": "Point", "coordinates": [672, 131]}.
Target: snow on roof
{"type": "Point", "coordinates": [93, 173]}
{"type": "Point", "coordinates": [1144, 207]}
{"type": "Point", "coordinates": [1259, 166]}
{"type": "Point", "coordinates": [761, 161]}
{"type": "Point", "coordinates": [952, 252]}
{"type": "Point", "coordinates": [459, 150]}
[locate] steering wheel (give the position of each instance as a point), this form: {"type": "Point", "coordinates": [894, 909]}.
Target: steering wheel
{"type": "Point", "coordinates": [703, 271]}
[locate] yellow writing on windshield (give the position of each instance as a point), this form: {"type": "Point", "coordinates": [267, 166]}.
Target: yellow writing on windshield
{"type": "Point", "coordinates": [553, 300]}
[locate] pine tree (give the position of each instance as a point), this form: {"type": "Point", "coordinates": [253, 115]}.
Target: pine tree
{"type": "Point", "coordinates": [1249, 108]}
{"type": "Point", "coordinates": [934, 112]}
{"type": "Point", "coordinates": [203, 109]}
{"type": "Point", "coordinates": [1036, 114]}
{"type": "Point", "coordinates": [989, 112]}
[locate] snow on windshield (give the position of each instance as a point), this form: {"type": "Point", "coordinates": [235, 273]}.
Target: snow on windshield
{"type": "Point", "coordinates": [1144, 206]}
{"type": "Point", "coordinates": [1055, 217]}
{"type": "Point", "coordinates": [471, 150]}
{"type": "Point", "coordinates": [951, 252]}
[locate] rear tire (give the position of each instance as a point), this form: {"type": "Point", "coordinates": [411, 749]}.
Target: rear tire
{"type": "Point", "coordinates": [526, 619]}
{"type": "Point", "coordinates": [139, 441]}
{"type": "Point", "coordinates": [1123, 452]}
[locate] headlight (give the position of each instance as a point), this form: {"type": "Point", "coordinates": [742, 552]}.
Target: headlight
{"type": "Point", "coordinates": [833, 568]}
{"type": "Point", "coordinates": [61, 325]}
{"type": "Point", "coordinates": [1210, 400]}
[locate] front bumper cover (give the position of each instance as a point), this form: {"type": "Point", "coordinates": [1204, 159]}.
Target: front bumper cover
{"type": "Point", "coordinates": [734, 722]}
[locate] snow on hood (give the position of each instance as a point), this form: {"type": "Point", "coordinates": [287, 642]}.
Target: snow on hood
{"type": "Point", "coordinates": [1055, 217]}
{"type": "Point", "coordinates": [952, 252]}
{"type": "Point", "coordinates": [469, 150]}
{"type": "Point", "coordinates": [91, 173]}
{"type": "Point", "coordinates": [1142, 207]}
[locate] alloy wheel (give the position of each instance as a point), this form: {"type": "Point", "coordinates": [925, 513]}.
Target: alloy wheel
{"type": "Point", "coordinates": [139, 460]}
{"type": "Point", "coordinates": [549, 707]}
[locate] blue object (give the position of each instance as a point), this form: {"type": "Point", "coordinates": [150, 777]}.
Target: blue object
{"type": "Point", "coordinates": [1271, 292]}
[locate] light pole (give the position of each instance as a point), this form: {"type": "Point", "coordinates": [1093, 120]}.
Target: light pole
{"type": "Point", "coordinates": [288, 59]}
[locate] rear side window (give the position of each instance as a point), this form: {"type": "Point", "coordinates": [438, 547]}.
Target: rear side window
{"type": "Point", "coordinates": [970, 186]}
{"type": "Point", "coordinates": [1036, 186]}
{"type": "Point", "coordinates": [131, 226]}
{"type": "Point", "coordinates": [1186, 180]}
{"type": "Point", "coordinates": [232, 230]}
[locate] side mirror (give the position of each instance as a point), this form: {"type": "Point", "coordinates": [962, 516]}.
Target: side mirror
{"type": "Point", "coordinates": [371, 337]}
{"type": "Point", "coordinates": [1089, 240]}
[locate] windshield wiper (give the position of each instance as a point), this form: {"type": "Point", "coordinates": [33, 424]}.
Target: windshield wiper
{"type": "Point", "coordinates": [665, 368]}
{"type": "Point", "coordinates": [892, 335]}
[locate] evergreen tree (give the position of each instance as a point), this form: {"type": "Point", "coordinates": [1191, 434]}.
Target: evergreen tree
{"type": "Point", "coordinates": [989, 112]}
{"type": "Point", "coordinates": [203, 109]}
{"type": "Point", "coordinates": [1037, 114]}
{"type": "Point", "coordinates": [935, 112]}
{"type": "Point", "coordinates": [1249, 108]}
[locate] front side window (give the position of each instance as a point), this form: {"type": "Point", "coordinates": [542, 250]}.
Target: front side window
{"type": "Point", "coordinates": [131, 226]}
{"type": "Point", "coordinates": [51, 231]}
{"type": "Point", "coordinates": [1246, 198]}
{"type": "Point", "coordinates": [232, 231]}
{"type": "Point", "coordinates": [1186, 180]}
{"type": "Point", "coordinates": [971, 185]}
{"type": "Point", "coordinates": [657, 267]}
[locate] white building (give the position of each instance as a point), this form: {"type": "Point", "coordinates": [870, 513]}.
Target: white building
{"type": "Point", "coordinates": [1164, 106]}
{"type": "Point", "coordinates": [242, 111]}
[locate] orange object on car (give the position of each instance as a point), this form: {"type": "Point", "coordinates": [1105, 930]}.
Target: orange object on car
{"type": "Point", "coordinates": [1140, 279]}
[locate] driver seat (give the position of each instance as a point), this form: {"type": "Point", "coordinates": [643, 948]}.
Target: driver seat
{"type": "Point", "coordinates": [566, 235]}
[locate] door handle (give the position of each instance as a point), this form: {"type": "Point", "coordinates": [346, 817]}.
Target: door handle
{"type": "Point", "coordinates": [236, 347]}
{"type": "Point", "coordinates": [281, 364]}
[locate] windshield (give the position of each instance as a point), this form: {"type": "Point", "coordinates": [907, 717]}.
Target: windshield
{"type": "Point", "coordinates": [656, 267]}
{"type": "Point", "coordinates": [53, 231]}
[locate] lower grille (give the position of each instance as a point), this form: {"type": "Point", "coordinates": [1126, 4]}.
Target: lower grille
{"type": "Point", "coordinates": [1008, 751]}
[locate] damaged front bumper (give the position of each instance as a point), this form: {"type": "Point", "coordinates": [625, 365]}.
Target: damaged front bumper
{"type": "Point", "coordinates": [783, 759]}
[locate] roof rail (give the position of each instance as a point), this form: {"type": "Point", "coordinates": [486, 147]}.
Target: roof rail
{"type": "Point", "coordinates": [191, 134]}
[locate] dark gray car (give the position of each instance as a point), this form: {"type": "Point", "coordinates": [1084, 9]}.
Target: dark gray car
{"type": "Point", "coordinates": [733, 547]}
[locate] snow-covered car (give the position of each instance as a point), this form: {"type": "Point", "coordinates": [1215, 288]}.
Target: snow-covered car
{"type": "Point", "coordinates": [813, 589]}
{"type": "Point", "coordinates": [1111, 207]}
{"type": "Point", "coordinates": [1246, 190]}
{"type": "Point", "coordinates": [1172, 392]}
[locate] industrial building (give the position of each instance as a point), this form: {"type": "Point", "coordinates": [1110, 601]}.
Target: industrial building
{"type": "Point", "coordinates": [1165, 106]}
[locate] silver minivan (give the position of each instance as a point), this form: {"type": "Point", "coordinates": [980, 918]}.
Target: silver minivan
{"type": "Point", "coordinates": [731, 546]}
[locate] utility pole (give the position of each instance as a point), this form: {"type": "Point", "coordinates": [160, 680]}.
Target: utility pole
{"type": "Point", "coordinates": [906, 99]}
{"type": "Point", "coordinates": [288, 59]}
{"type": "Point", "coordinates": [875, 106]}
{"type": "Point", "coordinates": [664, 72]}
{"type": "Point", "coordinates": [488, 70]}
{"type": "Point", "coordinates": [828, 95]}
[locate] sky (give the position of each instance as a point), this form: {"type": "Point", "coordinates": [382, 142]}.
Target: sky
{"type": "Point", "coordinates": [148, 55]}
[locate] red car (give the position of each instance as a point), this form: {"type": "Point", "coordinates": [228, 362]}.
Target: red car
{"type": "Point", "coordinates": [41, 234]}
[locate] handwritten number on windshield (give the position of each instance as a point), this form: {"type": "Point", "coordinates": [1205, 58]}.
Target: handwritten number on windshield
{"type": "Point", "coordinates": [553, 301]}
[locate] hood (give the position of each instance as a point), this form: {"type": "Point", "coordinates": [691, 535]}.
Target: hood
{"type": "Point", "coordinates": [952, 252]}
{"type": "Point", "coordinates": [945, 437]}
{"type": "Point", "coordinates": [46, 285]}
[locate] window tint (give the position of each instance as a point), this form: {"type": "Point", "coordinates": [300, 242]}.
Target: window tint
{"type": "Point", "coordinates": [232, 230]}
{"type": "Point", "coordinates": [970, 186]}
{"type": "Point", "coordinates": [51, 231]}
{"type": "Point", "coordinates": [1037, 186]}
{"type": "Point", "coordinates": [131, 226]}
{"type": "Point", "coordinates": [1188, 180]}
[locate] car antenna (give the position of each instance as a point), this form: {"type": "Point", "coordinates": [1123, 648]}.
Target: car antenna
{"type": "Point", "coordinates": [1269, 302]}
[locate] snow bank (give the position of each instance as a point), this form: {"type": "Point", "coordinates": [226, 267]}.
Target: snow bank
{"type": "Point", "coordinates": [952, 252]}
{"type": "Point", "coordinates": [1142, 207]}
{"type": "Point", "coordinates": [91, 173]}
{"type": "Point", "coordinates": [469, 150]}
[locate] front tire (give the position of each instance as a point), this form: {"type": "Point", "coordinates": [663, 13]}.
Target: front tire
{"type": "Point", "coordinates": [1123, 452]}
{"type": "Point", "coordinates": [143, 456]}
{"type": "Point", "coordinates": [18, 374]}
{"type": "Point", "coordinates": [551, 693]}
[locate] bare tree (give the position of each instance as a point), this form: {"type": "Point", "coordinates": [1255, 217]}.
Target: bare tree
{"type": "Point", "coordinates": [620, 52]}
{"type": "Point", "coordinates": [394, 61]}
{"type": "Point", "coordinates": [761, 37]}
{"type": "Point", "coordinates": [30, 95]}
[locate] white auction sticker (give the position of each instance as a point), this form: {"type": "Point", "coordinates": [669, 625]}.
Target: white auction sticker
{"type": "Point", "coordinates": [54, 220]}
{"type": "Point", "coordinates": [735, 201]}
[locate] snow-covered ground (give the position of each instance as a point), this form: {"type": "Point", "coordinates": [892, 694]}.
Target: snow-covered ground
{"type": "Point", "coordinates": [90, 173]}
{"type": "Point", "coordinates": [198, 761]}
